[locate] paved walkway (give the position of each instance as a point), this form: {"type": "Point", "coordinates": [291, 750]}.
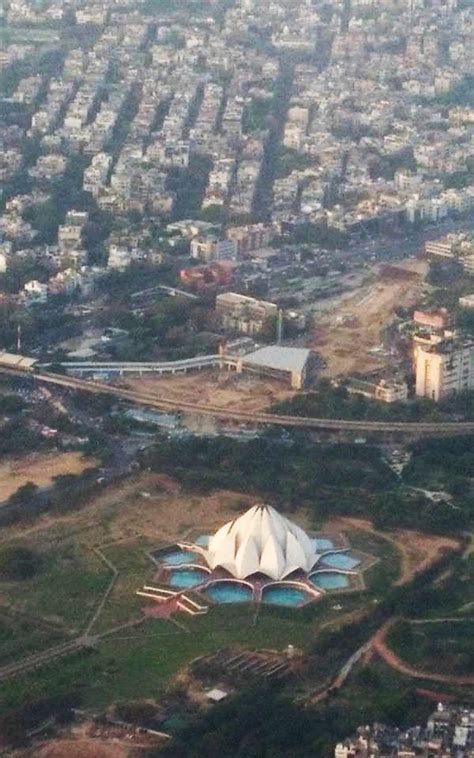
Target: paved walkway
{"type": "Point", "coordinates": [47, 656]}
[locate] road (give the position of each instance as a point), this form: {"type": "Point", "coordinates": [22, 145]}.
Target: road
{"type": "Point", "coordinates": [154, 400]}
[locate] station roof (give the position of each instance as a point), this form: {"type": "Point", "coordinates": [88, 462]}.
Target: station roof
{"type": "Point", "coordinates": [279, 358]}
{"type": "Point", "coordinates": [16, 361]}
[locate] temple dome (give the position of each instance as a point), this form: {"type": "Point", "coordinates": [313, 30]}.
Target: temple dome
{"type": "Point", "coordinates": [261, 541]}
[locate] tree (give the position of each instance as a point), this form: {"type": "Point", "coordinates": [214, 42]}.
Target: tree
{"type": "Point", "coordinates": [24, 494]}
{"type": "Point", "coordinates": [136, 712]}
{"type": "Point", "coordinates": [18, 563]}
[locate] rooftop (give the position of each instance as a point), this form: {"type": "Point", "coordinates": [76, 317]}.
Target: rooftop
{"type": "Point", "coordinates": [280, 358]}
{"type": "Point", "coordinates": [263, 541]}
{"type": "Point", "coordinates": [16, 361]}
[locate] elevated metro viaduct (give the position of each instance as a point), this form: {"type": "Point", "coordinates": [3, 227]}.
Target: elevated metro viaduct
{"type": "Point", "coordinates": [341, 428]}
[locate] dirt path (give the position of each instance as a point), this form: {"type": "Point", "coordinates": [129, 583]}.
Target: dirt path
{"type": "Point", "coordinates": [85, 748]}
{"type": "Point", "coordinates": [417, 551]}
{"type": "Point", "coordinates": [379, 645]}
{"type": "Point", "coordinates": [451, 619]}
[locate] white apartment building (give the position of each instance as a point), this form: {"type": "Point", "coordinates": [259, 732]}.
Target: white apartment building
{"type": "Point", "coordinates": [445, 368]}
{"type": "Point", "coordinates": [211, 248]}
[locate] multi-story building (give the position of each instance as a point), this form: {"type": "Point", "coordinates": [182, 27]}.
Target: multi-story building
{"type": "Point", "coordinates": [211, 248]}
{"type": "Point", "coordinates": [449, 732]}
{"type": "Point", "coordinates": [443, 248]}
{"type": "Point", "coordinates": [250, 238]}
{"type": "Point", "coordinates": [438, 318]}
{"type": "Point", "coordinates": [387, 391]}
{"type": "Point", "coordinates": [243, 314]}
{"type": "Point", "coordinates": [444, 368]}
{"type": "Point", "coordinates": [69, 237]}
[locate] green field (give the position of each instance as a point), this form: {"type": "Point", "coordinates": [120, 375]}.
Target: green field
{"type": "Point", "coordinates": [64, 592]}
{"type": "Point", "coordinates": [438, 639]}
{"type": "Point", "coordinates": [21, 636]}
{"type": "Point", "coordinates": [135, 569]}
{"type": "Point", "coordinates": [443, 647]}
{"type": "Point", "coordinates": [138, 662]}
{"type": "Point", "coordinates": [76, 557]}
{"type": "Point", "coordinates": [387, 569]}
{"type": "Point", "coordinates": [453, 594]}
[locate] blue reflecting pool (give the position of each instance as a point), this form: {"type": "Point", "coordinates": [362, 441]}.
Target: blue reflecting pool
{"type": "Point", "coordinates": [229, 592]}
{"type": "Point", "coordinates": [184, 578]}
{"type": "Point", "coordinates": [177, 557]}
{"type": "Point", "coordinates": [203, 540]}
{"type": "Point", "coordinates": [340, 561]}
{"type": "Point", "coordinates": [281, 595]}
{"type": "Point", "coordinates": [330, 581]}
{"type": "Point", "coordinates": [321, 544]}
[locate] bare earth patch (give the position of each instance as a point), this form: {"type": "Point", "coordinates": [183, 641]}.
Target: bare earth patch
{"type": "Point", "coordinates": [421, 550]}
{"type": "Point", "coordinates": [348, 334]}
{"type": "Point", "coordinates": [149, 505]}
{"type": "Point", "coordinates": [417, 550]}
{"type": "Point", "coordinates": [39, 469]}
{"type": "Point", "coordinates": [166, 517]}
{"type": "Point", "coordinates": [219, 388]}
{"type": "Point", "coordinates": [88, 740]}
{"type": "Point", "coordinates": [82, 749]}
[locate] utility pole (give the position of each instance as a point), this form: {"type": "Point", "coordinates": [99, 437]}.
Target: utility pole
{"type": "Point", "coordinates": [280, 326]}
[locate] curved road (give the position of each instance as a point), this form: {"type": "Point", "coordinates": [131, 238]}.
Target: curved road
{"type": "Point", "coordinates": [153, 400]}
{"type": "Point", "coordinates": [380, 646]}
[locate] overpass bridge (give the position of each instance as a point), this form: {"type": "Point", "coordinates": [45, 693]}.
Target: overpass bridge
{"type": "Point", "coordinates": [171, 291]}
{"type": "Point", "coordinates": [120, 368]}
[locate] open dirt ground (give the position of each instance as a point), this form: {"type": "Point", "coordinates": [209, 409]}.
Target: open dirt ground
{"type": "Point", "coordinates": [417, 551]}
{"type": "Point", "coordinates": [348, 334]}
{"type": "Point", "coordinates": [90, 740]}
{"type": "Point", "coordinates": [221, 388]}
{"type": "Point", "coordinates": [81, 749]}
{"type": "Point", "coordinates": [39, 469]}
{"type": "Point", "coordinates": [148, 505]}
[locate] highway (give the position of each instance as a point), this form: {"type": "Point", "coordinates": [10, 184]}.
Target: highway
{"type": "Point", "coordinates": [154, 400]}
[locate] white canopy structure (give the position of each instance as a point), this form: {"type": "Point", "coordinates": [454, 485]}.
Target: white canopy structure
{"type": "Point", "coordinates": [261, 541]}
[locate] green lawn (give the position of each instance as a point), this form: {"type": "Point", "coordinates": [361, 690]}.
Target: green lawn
{"type": "Point", "coordinates": [135, 568]}
{"type": "Point", "coordinates": [65, 590]}
{"type": "Point", "coordinates": [444, 648]}
{"type": "Point", "coordinates": [453, 595]}
{"type": "Point", "coordinates": [387, 569]}
{"type": "Point", "coordinates": [139, 662]}
{"type": "Point", "coordinates": [21, 636]}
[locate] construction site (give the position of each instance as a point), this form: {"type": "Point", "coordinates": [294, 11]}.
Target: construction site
{"type": "Point", "coordinates": [348, 329]}
{"type": "Point", "coordinates": [224, 389]}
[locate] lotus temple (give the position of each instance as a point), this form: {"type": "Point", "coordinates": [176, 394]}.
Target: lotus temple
{"type": "Point", "coordinates": [259, 557]}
